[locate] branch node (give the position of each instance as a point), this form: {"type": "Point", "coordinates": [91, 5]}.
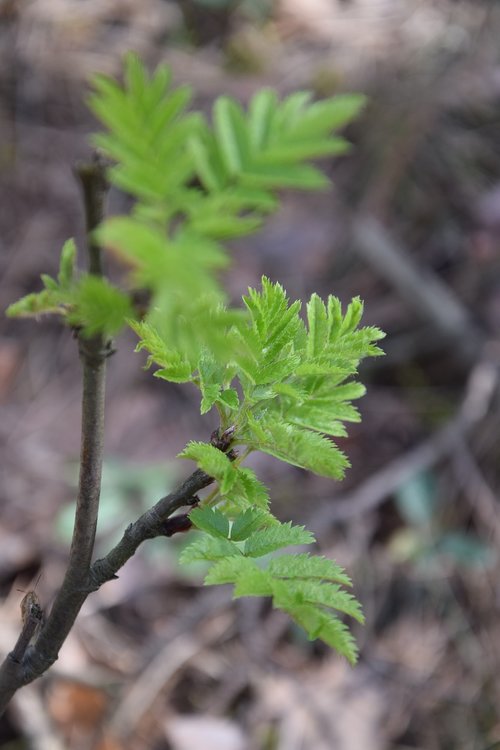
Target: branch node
{"type": "Point", "coordinates": [100, 572]}
{"type": "Point", "coordinates": [176, 525]}
{"type": "Point", "coordinates": [222, 441]}
{"type": "Point", "coordinates": [94, 350]}
{"type": "Point", "coordinates": [36, 662]}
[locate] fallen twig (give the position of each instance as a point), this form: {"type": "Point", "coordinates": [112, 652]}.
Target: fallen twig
{"type": "Point", "coordinates": [419, 287]}
{"type": "Point", "coordinates": [480, 389]}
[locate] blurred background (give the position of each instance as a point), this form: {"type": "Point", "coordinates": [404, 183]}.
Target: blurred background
{"type": "Point", "coordinates": [412, 225]}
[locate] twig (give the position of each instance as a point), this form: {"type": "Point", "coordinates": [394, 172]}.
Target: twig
{"type": "Point", "coordinates": [14, 674]}
{"type": "Point", "coordinates": [151, 524]}
{"type": "Point", "coordinates": [421, 289]}
{"type": "Point", "coordinates": [23, 668]}
{"type": "Point", "coordinates": [481, 386]}
{"type": "Point", "coordinates": [95, 187]}
{"type": "Point", "coordinates": [93, 354]}
{"type": "Point", "coordinates": [168, 659]}
{"type": "Point", "coordinates": [482, 498]}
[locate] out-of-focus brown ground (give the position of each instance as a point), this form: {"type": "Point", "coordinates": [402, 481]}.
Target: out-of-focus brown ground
{"type": "Point", "coordinates": [413, 226]}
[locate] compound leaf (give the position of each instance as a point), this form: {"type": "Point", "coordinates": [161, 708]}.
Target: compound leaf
{"type": "Point", "coordinates": [276, 537]}
{"type": "Point", "coordinates": [210, 520]}
{"type": "Point", "coordinates": [209, 548]}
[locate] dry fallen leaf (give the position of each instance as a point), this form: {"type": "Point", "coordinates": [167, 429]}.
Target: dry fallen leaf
{"type": "Point", "coordinates": [76, 707]}
{"type": "Point", "coordinates": [207, 732]}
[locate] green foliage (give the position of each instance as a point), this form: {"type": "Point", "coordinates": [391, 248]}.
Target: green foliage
{"type": "Point", "coordinates": [213, 462]}
{"type": "Point", "coordinates": [87, 302]}
{"type": "Point", "coordinates": [266, 148]}
{"type": "Point", "coordinates": [293, 385]}
{"type": "Point", "coordinates": [56, 295]}
{"type": "Point", "coordinates": [264, 541]}
{"type": "Point", "coordinates": [147, 130]}
{"type": "Point", "coordinates": [296, 446]}
{"type": "Point", "coordinates": [99, 307]}
{"type": "Point", "coordinates": [197, 184]}
{"type": "Point", "coordinates": [284, 387]}
{"type": "Point", "coordinates": [281, 384]}
{"type": "Point", "coordinates": [308, 588]}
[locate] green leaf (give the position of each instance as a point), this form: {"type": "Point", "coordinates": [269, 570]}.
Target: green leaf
{"type": "Point", "coordinates": [246, 523]}
{"type": "Point", "coordinates": [179, 272]}
{"type": "Point", "coordinates": [265, 175]}
{"type": "Point", "coordinates": [318, 624]}
{"type": "Point", "coordinates": [210, 396]}
{"type": "Point", "coordinates": [211, 376]}
{"type": "Point", "coordinates": [213, 462]}
{"type": "Point", "coordinates": [210, 520]}
{"type": "Point", "coordinates": [264, 350]}
{"type": "Point", "coordinates": [326, 595]}
{"type": "Point", "coordinates": [67, 264]}
{"type": "Point", "coordinates": [173, 365]}
{"type": "Point", "coordinates": [35, 304]}
{"type": "Point", "coordinates": [292, 152]}
{"type": "Point", "coordinates": [318, 326]}
{"type": "Point", "coordinates": [138, 244]}
{"type": "Point", "coordinates": [291, 110]}
{"type": "Point", "coordinates": [209, 548]}
{"type": "Point", "coordinates": [226, 227]}
{"type": "Point", "coordinates": [231, 133]}
{"type": "Point", "coordinates": [306, 566]}
{"type": "Point", "coordinates": [57, 296]}
{"type": "Point", "coordinates": [275, 537]}
{"type": "Point", "coordinates": [49, 283]}
{"type": "Point", "coordinates": [148, 130]}
{"type": "Point", "coordinates": [135, 78]}
{"type": "Point", "coordinates": [100, 307]}
{"type": "Point", "coordinates": [195, 327]}
{"type": "Point", "coordinates": [253, 582]}
{"type": "Point", "coordinates": [248, 577]}
{"type": "Point", "coordinates": [231, 568]}
{"type": "Point", "coordinates": [327, 115]}
{"type": "Point", "coordinates": [261, 111]}
{"type": "Point", "coordinates": [229, 398]}
{"type": "Point", "coordinates": [297, 446]}
{"type": "Point", "coordinates": [330, 630]}
{"type": "Point", "coordinates": [207, 161]}
{"type": "Point", "coordinates": [352, 317]}
{"type": "Point", "coordinates": [178, 371]}
{"type": "Point", "coordinates": [293, 393]}
{"type": "Point", "coordinates": [249, 489]}
{"type": "Point", "coordinates": [296, 584]}
{"type": "Point", "coordinates": [323, 415]}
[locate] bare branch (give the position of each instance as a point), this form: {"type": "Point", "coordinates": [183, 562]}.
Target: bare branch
{"type": "Point", "coordinates": [71, 595]}
{"type": "Point", "coordinates": [16, 673]}
{"type": "Point", "coordinates": [151, 524]}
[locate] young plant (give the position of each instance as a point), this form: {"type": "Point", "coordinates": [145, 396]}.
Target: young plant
{"type": "Point", "coordinates": [280, 383]}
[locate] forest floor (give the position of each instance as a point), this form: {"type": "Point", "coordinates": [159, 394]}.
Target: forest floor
{"type": "Point", "coordinates": [412, 225]}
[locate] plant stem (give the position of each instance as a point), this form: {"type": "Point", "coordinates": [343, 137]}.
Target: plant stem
{"type": "Point", "coordinates": [148, 526]}
{"type": "Point", "coordinates": [95, 186]}
{"type": "Point", "coordinates": [21, 668]}
{"type": "Point", "coordinates": [93, 356]}
{"type": "Point", "coordinates": [27, 662]}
